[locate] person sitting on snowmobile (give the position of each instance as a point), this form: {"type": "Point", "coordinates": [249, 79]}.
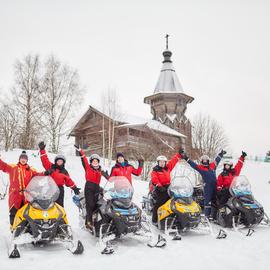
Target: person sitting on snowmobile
{"type": "Point", "coordinates": [58, 172]}
{"type": "Point", "coordinates": [226, 177]}
{"type": "Point", "coordinates": [160, 181]}
{"type": "Point", "coordinates": [208, 172]}
{"type": "Point", "coordinates": [92, 188]}
{"type": "Point", "coordinates": [20, 175]}
{"type": "Point", "coordinates": [123, 168]}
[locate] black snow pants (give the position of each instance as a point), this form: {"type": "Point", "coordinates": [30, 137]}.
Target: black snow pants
{"type": "Point", "coordinates": [91, 193]}
{"type": "Point", "coordinates": [60, 199]}
{"type": "Point", "coordinates": [159, 198]}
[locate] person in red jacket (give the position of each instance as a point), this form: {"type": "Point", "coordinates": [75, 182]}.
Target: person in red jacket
{"type": "Point", "coordinates": [226, 177]}
{"type": "Point", "coordinates": [58, 172]}
{"type": "Point", "coordinates": [160, 181]}
{"type": "Point", "coordinates": [123, 168]}
{"type": "Point", "coordinates": [93, 175]}
{"type": "Point", "coordinates": [20, 175]}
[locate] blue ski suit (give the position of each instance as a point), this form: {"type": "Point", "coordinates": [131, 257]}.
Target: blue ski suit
{"type": "Point", "coordinates": [208, 174]}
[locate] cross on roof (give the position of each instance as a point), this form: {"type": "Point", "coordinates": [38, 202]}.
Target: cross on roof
{"type": "Point", "coordinates": [167, 41]}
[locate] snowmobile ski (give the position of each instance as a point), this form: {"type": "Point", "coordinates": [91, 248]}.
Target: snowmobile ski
{"type": "Point", "coordinates": [161, 242]}
{"type": "Point", "coordinates": [14, 253]}
{"type": "Point", "coordinates": [222, 234]}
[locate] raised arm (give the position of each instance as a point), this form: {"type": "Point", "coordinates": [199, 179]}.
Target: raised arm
{"type": "Point", "coordinates": [173, 161]}
{"type": "Point", "coordinates": [239, 165]}
{"type": "Point", "coordinates": [44, 157]}
{"type": "Point", "coordinates": [215, 163]}
{"type": "Point", "coordinates": [6, 168]}
{"type": "Point", "coordinates": [84, 160]}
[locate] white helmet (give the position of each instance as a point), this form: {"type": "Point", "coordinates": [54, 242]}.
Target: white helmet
{"type": "Point", "coordinates": [228, 162]}
{"type": "Point", "coordinates": [161, 158]}
{"type": "Point", "coordinates": [94, 156]}
{"type": "Point", "coordinates": [205, 157]}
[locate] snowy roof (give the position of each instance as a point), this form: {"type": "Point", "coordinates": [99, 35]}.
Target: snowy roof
{"type": "Point", "coordinates": [168, 80]}
{"type": "Point", "coordinates": [130, 120]}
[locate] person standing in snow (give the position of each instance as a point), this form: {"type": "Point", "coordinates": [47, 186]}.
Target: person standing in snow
{"type": "Point", "coordinates": [208, 172]}
{"type": "Point", "coordinates": [92, 188]}
{"type": "Point", "coordinates": [58, 172]}
{"type": "Point", "coordinates": [20, 175]}
{"type": "Point", "coordinates": [123, 168]}
{"type": "Point", "coordinates": [160, 181]}
{"type": "Point", "coordinates": [226, 177]}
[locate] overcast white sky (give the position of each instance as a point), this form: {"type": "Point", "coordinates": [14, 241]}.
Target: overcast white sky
{"type": "Point", "coordinates": [221, 53]}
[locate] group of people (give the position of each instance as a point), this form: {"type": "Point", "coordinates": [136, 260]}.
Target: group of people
{"type": "Point", "coordinates": [215, 188]}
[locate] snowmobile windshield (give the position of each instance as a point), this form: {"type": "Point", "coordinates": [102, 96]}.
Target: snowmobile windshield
{"type": "Point", "coordinates": [119, 187]}
{"type": "Point", "coordinates": [41, 189]}
{"type": "Point", "coordinates": [180, 187]}
{"type": "Point", "coordinates": [240, 186]}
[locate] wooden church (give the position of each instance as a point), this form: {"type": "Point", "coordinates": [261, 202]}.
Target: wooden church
{"type": "Point", "coordinates": [106, 134]}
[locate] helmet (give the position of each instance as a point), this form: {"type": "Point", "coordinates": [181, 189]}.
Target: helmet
{"type": "Point", "coordinates": [60, 157]}
{"type": "Point", "coordinates": [161, 158]}
{"type": "Point", "coordinates": [94, 156]}
{"type": "Point", "coordinates": [205, 157]}
{"type": "Point", "coordinates": [228, 162]}
{"type": "Point", "coordinates": [205, 160]}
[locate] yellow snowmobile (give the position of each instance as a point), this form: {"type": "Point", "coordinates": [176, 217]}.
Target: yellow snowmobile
{"type": "Point", "coordinates": [42, 221]}
{"type": "Point", "coordinates": [181, 213]}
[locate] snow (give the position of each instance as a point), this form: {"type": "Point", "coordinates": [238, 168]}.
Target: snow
{"type": "Point", "coordinates": [153, 124]}
{"type": "Point", "coordinates": [192, 252]}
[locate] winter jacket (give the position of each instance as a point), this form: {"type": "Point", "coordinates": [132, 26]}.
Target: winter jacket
{"type": "Point", "coordinates": [91, 174]}
{"type": "Point", "coordinates": [125, 170]}
{"type": "Point", "coordinates": [162, 176]}
{"type": "Point", "coordinates": [59, 174]}
{"type": "Point", "coordinates": [226, 177]}
{"type": "Point", "coordinates": [19, 177]}
{"type": "Point", "coordinates": [208, 173]}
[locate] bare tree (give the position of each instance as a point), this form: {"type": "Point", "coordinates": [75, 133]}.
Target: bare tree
{"type": "Point", "coordinates": [208, 136]}
{"type": "Point", "coordinates": [110, 107]}
{"type": "Point", "coordinates": [26, 98]}
{"type": "Point", "coordinates": [8, 125]}
{"type": "Point", "coordinates": [61, 95]}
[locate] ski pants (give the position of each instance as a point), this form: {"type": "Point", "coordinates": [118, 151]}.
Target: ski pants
{"type": "Point", "coordinates": [12, 213]}
{"type": "Point", "coordinates": [223, 196]}
{"type": "Point", "coordinates": [91, 193]}
{"type": "Point", "coordinates": [60, 199]}
{"type": "Point", "coordinates": [159, 197]}
{"type": "Point", "coordinates": [209, 198]}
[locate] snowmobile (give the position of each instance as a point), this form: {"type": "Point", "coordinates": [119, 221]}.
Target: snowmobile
{"type": "Point", "coordinates": [241, 210]}
{"type": "Point", "coordinates": [117, 216]}
{"type": "Point", "coordinates": [41, 221]}
{"type": "Point", "coordinates": [181, 213]}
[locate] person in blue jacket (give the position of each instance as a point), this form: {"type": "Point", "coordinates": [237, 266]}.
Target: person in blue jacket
{"type": "Point", "coordinates": [208, 172]}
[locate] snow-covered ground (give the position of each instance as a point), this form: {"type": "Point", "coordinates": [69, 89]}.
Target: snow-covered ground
{"type": "Point", "coordinates": [193, 252]}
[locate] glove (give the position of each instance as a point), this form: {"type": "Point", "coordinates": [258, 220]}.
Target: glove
{"type": "Point", "coordinates": [41, 145]}
{"type": "Point", "coordinates": [244, 154]}
{"type": "Point", "coordinates": [105, 174]}
{"type": "Point", "coordinates": [76, 190]}
{"type": "Point", "coordinates": [141, 162]}
{"type": "Point", "coordinates": [184, 156]}
{"type": "Point", "coordinates": [181, 151]}
{"type": "Point", "coordinates": [222, 153]}
{"type": "Point", "coordinates": [48, 172]}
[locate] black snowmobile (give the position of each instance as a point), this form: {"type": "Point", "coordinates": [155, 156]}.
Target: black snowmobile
{"type": "Point", "coordinates": [241, 210]}
{"type": "Point", "coordinates": [117, 216]}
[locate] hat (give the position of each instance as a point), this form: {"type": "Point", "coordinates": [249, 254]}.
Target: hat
{"type": "Point", "coordinates": [23, 155]}
{"type": "Point", "coordinates": [119, 155]}
{"type": "Point", "coordinates": [94, 156]}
